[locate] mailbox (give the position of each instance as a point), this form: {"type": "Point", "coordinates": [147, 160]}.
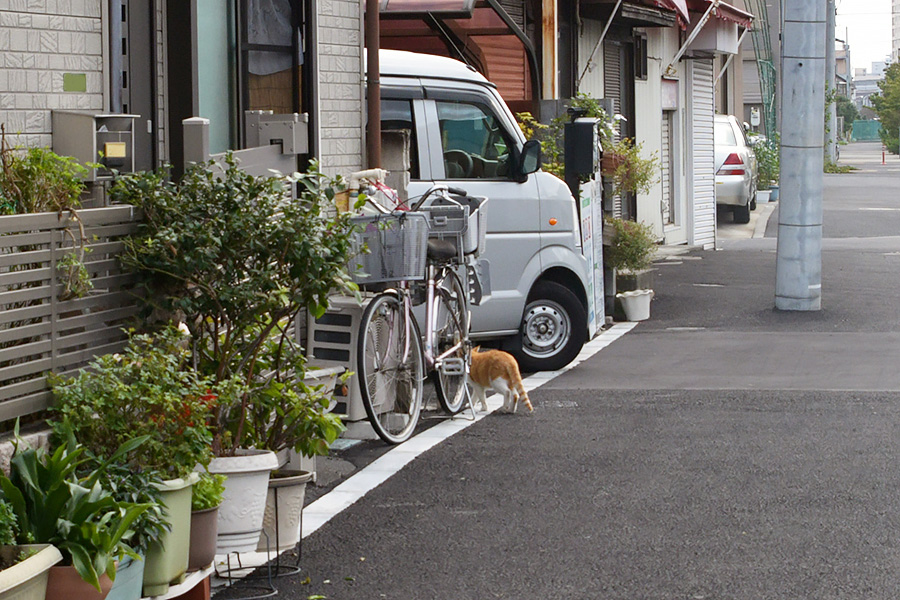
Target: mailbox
{"type": "Point", "coordinates": [95, 138]}
{"type": "Point", "coordinates": [582, 146]}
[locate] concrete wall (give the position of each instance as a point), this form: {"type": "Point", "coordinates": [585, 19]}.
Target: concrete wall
{"type": "Point", "coordinates": [40, 42]}
{"type": "Point", "coordinates": [341, 90]}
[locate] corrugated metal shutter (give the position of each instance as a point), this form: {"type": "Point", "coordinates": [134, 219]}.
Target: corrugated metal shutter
{"type": "Point", "coordinates": [612, 89]}
{"type": "Point", "coordinates": [666, 171]}
{"type": "Point", "coordinates": [703, 177]}
{"type": "Point", "coordinates": [507, 65]}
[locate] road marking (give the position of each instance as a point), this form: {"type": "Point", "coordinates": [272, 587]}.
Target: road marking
{"type": "Point", "coordinates": [707, 285]}
{"type": "Point", "coordinates": [882, 209]}
{"type": "Point", "coordinates": [358, 485]}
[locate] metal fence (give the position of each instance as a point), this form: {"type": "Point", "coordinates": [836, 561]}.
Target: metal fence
{"type": "Point", "coordinates": [40, 331]}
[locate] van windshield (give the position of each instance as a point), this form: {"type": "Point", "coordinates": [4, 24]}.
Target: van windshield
{"type": "Point", "coordinates": [474, 143]}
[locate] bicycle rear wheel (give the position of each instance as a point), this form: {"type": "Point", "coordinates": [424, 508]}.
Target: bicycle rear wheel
{"type": "Point", "coordinates": [390, 369]}
{"type": "Point", "coordinates": [451, 332]}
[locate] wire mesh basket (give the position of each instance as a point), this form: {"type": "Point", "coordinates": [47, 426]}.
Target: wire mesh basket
{"type": "Point", "coordinates": [396, 244]}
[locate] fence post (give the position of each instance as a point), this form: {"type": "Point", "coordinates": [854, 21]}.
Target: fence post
{"type": "Point", "coordinates": [196, 140]}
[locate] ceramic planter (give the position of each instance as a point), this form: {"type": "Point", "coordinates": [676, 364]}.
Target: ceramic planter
{"type": "Point", "coordinates": [244, 503]}
{"type": "Point", "coordinates": [636, 304]}
{"type": "Point", "coordinates": [610, 162]}
{"type": "Point", "coordinates": [289, 488]}
{"type": "Point", "coordinates": [203, 538]}
{"type": "Point", "coordinates": [27, 580]}
{"type": "Point", "coordinates": [763, 196]}
{"type": "Point", "coordinates": [167, 560]}
{"type": "Point", "coordinates": [65, 584]}
{"type": "Point", "coordinates": [129, 580]}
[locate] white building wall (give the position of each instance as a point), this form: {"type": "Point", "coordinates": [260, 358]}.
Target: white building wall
{"type": "Point", "coordinates": [341, 85]}
{"type": "Point", "coordinates": [648, 127]}
{"type": "Point", "coordinates": [592, 83]}
{"type": "Point", "coordinates": [40, 41]}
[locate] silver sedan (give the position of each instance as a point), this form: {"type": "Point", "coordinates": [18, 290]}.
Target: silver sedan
{"type": "Point", "coordinates": [735, 168]}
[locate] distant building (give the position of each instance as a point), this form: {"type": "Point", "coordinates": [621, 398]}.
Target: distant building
{"type": "Point", "coordinates": [895, 30]}
{"type": "Point", "coordinates": [865, 84]}
{"type": "Point", "coordinates": [842, 72]}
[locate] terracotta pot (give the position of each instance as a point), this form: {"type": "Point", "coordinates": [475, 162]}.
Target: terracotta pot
{"type": "Point", "coordinates": [610, 162]}
{"type": "Point", "coordinates": [203, 538]}
{"type": "Point", "coordinates": [290, 489]}
{"type": "Point", "coordinates": [65, 584]}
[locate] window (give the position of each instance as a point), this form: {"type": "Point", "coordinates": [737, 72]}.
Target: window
{"type": "Point", "coordinates": [397, 115]}
{"type": "Point", "coordinates": [640, 56]}
{"type": "Point", "coordinates": [473, 142]}
{"type": "Point", "coordinates": [272, 55]}
{"type": "Point", "coordinates": [724, 134]}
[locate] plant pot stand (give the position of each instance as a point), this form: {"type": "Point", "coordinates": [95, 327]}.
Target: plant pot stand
{"type": "Point", "coordinates": [284, 520]}
{"type": "Point", "coordinates": [229, 574]}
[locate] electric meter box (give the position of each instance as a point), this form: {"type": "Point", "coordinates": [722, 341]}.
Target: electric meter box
{"type": "Point", "coordinates": [104, 140]}
{"type": "Point", "coordinates": [582, 146]}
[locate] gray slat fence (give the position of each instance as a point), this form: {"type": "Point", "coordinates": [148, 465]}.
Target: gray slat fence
{"type": "Point", "coordinates": [39, 333]}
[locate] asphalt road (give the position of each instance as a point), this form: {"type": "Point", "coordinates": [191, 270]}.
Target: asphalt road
{"type": "Point", "coordinates": [721, 450]}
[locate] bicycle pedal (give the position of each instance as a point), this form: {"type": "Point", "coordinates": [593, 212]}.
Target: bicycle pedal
{"type": "Point", "coordinates": [452, 367]}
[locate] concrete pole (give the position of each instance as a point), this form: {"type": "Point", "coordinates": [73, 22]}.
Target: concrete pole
{"type": "Point", "coordinates": [798, 267]}
{"type": "Point", "coordinates": [832, 134]}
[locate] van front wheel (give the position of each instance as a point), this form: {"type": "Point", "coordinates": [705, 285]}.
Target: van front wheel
{"type": "Point", "coordinates": [552, 330]}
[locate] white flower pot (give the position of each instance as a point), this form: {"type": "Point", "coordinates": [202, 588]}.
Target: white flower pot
{"type": "Point", "coordinates": [636, 304]}
{"type": "Point", "coordinates": [290, 490]}
{"type": "Point", "coordinates": [244, 503]}
{"type": "Point", "coordinates": [27, 580]}
{"type": "Point", "coordinates": [763, 196]}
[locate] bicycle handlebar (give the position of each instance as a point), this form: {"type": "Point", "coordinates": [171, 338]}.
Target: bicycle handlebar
{"type": "Point", "coordinates": [446, 191]}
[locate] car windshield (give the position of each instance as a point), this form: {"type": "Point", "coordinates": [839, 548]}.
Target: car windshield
{"type": "Point", "coordinates": [724, 135]}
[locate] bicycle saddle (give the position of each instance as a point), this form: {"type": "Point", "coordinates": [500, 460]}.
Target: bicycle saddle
{"type": "Point", "coordinates": [440, 250]}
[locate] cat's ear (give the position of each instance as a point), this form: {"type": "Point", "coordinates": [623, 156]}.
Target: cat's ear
{"type": "Point", "coordinates": [476, 349]}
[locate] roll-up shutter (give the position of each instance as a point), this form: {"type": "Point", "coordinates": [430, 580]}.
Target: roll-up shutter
{"type": "Point", "coordinates": [612, 90]}
{"type": "Point", "coordinates": [701, 97]}
{"type": "Point", "coordinates": [666, 171]}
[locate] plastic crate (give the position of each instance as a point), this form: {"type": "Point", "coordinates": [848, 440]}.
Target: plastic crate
{"type": "Point", "coordinates": [397, 246]}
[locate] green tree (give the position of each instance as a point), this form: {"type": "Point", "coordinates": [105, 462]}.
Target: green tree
{"type": "Point", "coordinates": [847, 109]}
{"type": "Point", "coordinates": [887, 106]}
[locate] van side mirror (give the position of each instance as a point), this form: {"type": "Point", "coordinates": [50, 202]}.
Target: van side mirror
{"type": "Point", "coordinates": [529, 159]}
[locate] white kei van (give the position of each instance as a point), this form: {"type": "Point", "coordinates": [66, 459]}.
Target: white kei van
{"type": "Point", "coordinates": [463, 135]}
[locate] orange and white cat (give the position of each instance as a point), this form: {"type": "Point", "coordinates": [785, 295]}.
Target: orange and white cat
{"type": "Point", "coordinates": [497, 370]}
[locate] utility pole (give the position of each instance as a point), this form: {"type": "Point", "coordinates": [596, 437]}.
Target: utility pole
{"type": "Point", "coordinates": [830, 82]}
{"type": "Point", "coordinates": [798, 266]}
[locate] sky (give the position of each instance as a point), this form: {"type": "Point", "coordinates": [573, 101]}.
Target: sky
{"type": "Point", "coordinates": [866, 25]}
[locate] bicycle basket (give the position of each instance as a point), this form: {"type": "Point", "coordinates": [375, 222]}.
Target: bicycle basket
{"type": "Point", "coordinates": [465, 226]}
{"type": "Point", "coordinates": [397, 245]}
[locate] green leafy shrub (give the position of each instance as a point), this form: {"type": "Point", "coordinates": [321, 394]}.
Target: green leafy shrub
{"type": "Point", "coordinates": [9, 527]}
{"type": "Point", "coordinates": [149, 389]}
{"type": "Point", "coordinates": [237, 260]}
{"type": "Point", "coordinates": [632, 246]}
{"type": "Point", "coordinates": [208, 491]}
{"type": "Point", "coordinates": [38, 180]}
{"type": "Point", "coordinates": [768, 162]}
{"type": "Point", "coordinates": [633, 174]}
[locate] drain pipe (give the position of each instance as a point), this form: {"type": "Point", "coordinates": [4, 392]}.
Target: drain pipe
{"type": "Point", "coordinates": [798, 260]}
{"type": "Point", "coordinates": [373, 85]}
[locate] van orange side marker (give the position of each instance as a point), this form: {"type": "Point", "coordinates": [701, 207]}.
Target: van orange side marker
{"type": "Point", "coordinates": [553, 221]}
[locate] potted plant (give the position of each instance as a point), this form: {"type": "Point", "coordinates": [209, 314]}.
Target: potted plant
{"type": "Point", "coordinates": [206, 497]}
{"type": "Point", "coordinates": [630, 254]}
{"type": "Point", "coordinates": [768, 168]}
{"type": "Point", "coordinates": [629, 171]}
{"type": "Point", "coordinates": [24, 569]}
{"type": "Point", "coordinates": [77, 515]}
{"type": "Point", "coordinates": [150, 529]}
{"type": "Point", "coordinates": [148, 389]}
{"type": "Point", "coordinates": [238, 261]}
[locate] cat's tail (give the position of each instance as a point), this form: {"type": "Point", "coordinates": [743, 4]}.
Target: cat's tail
{"type": "Point", "coordinates": [523, 395]}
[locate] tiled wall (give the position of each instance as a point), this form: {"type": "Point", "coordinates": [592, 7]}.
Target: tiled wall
{"type": "Point", "coordinates": [340, 85]}
{"type": "Point", "coordinates": [41, 42]}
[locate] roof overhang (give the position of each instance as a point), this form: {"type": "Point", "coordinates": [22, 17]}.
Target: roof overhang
{"type": "Point", "coordinates": [640, 13]}
{"type": "Point", "coordinates": [723, 12]}
{"type": "Point", "coordinates": [442, 8]}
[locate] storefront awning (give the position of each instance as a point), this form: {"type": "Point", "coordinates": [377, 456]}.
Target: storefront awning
{"type": "Point", "coordinates": [723, 11]}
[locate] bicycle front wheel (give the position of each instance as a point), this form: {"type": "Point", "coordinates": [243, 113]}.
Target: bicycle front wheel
{"type": "Point", "coordinates": [451, 338]}
{"type": "Point", "coordinates": [390, 368]}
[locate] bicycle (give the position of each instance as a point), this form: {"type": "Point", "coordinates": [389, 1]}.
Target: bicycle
{"type": "Point", "coordinates": [392, 356]}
